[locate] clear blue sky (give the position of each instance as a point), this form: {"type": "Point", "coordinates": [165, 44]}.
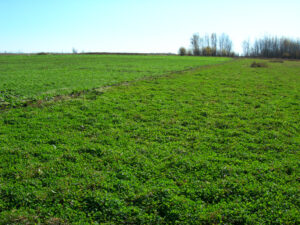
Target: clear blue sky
{"type": "Point", "coordinates": [138, 25]}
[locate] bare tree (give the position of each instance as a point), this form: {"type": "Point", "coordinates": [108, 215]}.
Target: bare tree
{"type": "Point", "coordinates": [214, 44]}
{"type": "Point", "coordinates": [246, 48]}
{"type": "Point", "coordinates": [207, 40]}
{"type": "Point", "coordinates": [274, 47]}
{"type": "Point", "coordinates": [201, 44]}
{"type": "Point", "coordinates": [211, 45]}
{"type": "Point", "coordinates": [227, 46]}
{"type": "Point", "coordinates": [195, 42]}
{"type": "Point", "coordinates": [222, 38]}
{"type": "Point", "coordinates": [189, 52]}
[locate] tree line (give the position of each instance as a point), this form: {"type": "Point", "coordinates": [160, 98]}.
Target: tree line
{"type": "Point", "coordinates": [221, 45]}
{"type": "Point", "coordinates": [209, 45]}
{"type": "Point", "coordinates": [272, 47]}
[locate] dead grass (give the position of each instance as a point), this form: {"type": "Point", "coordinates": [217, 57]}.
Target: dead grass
{"type": "Point", "coordinates": [277, 61]}
{"type": "Point", "coordinates": [259, 64]}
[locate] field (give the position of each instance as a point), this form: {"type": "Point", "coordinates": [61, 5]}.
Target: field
{"type": "Point", "coordinates": [25, 78]}
{"type": "Point", "coordinates": [216, 144]}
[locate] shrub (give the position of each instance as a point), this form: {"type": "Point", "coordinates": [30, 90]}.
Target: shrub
{"type": "Point", "coordinates": [42, 53]}
{"type": "Point", "coordinates": [182, 51]}
{"type": "Point", "coordinates": [259, 64]}
{"type": "Point", "coordinates": [286, 55]}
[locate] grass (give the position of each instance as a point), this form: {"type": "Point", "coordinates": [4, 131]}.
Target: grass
{"type": "Point", "coordinates": [26, 78]}
{"type": "Point", "coordinates": [219, 144]}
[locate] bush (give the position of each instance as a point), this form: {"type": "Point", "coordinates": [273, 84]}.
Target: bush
{"type": "Point", "coordinates": [286, 55]}
{"type": "Point", "coordinates": [259, 64]}
{"type": "Point", "coordinates": [182, 51]}
{"type": "Point", "coordinates": [42, 53]}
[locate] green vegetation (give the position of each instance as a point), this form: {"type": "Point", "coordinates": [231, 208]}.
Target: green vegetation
{"type": "Point", "coordinates": [33, 77]}
{"type": "Point", "coordinates": [219, 144]}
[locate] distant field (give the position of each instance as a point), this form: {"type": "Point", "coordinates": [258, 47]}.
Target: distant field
{"type": "Point", "coordinates": [215, 145]}
{"type": "Point", "coordinates": [33, 77]}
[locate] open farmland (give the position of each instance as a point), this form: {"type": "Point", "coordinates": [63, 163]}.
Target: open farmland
{"type": "Point", "coordinates": [217, 144]}
{"type": "Point", "coordinates": [26, 78]}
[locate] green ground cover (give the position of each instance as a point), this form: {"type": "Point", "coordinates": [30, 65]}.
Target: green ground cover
{"type": "Point", "coordinates": [34, 77]}
{"type": "Point", "coordinates": [215, 145]}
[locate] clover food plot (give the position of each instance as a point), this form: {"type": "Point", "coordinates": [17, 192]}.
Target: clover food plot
{"type": "Point", "coordinates": [32, 77]}
{"type": "Point", "coordinates": [215, 145]}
